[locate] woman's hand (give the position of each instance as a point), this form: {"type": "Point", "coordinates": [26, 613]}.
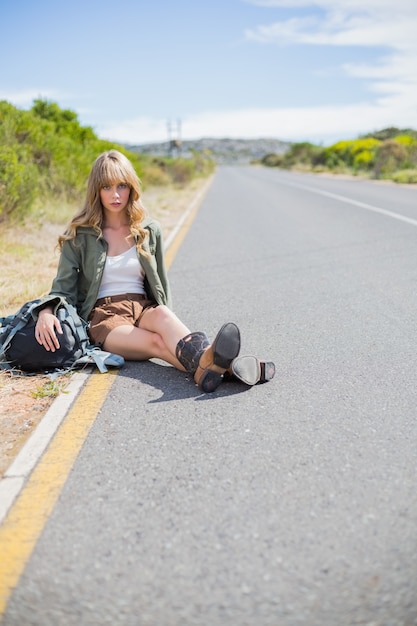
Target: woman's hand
{"type": "Point", "coordinates": [46, 328]}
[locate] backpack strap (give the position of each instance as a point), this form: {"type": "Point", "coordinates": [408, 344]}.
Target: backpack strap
{"type": "Point", "coordinates": [78, 326]}
{"type": "Point", "coordinates": [101, 358]}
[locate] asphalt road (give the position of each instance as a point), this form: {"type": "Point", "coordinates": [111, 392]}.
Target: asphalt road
{"type": "Point", "coordinates": [286, 504]}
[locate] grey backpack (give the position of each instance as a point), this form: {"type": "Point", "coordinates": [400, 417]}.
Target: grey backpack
{"type": "Point", "coordinates": [19, 349]}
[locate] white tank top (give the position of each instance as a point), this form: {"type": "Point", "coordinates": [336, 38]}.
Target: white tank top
{"type": "Point", "coordinates": [122, 274]}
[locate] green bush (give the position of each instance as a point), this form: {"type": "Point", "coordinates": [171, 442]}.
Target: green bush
{"type": "Point", "coordinates": [272, 160]}
{"type": "Point", "coordinates": [338, 154]}
{"type": "Point", "coordinates": [406, 140]}
{"type": "Point", "coordinates": [157, 176]}
{"type": "Point", "coordinates": [356, 153]}
{"type": "Point", "coordinates": [364, 160]}
{"type": "Point", "coordinates": [363, 145]}
{"type": "Point", "coordinates": [405, 176]}
{"type": "Point", "coordinates": [18, 182]}
{"type": "Point", "coordinates": [302, 153]}
{"type": "Point", "coordinates": [181, 171]}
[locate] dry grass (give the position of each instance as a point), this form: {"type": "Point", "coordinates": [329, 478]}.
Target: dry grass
{"type": "Point", "coordinates": [28, 266]}
{"type": "Point", "coordinates": [23, 402]}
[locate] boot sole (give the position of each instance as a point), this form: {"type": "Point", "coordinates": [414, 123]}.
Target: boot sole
{"type": "Point", "coordinates": [252, 371]}
{"type": "Point", "coordinates": [225, 348]}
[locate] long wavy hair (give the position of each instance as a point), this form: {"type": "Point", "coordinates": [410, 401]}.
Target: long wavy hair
{"type": "Point", "coordinates": [110, 168]}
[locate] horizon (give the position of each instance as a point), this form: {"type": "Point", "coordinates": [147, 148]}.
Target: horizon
{"type": "Point", "coordinates": [267, 139]}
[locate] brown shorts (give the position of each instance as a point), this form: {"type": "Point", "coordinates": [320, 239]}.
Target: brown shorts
{"type": "Point", "coordinates": [114, 311]}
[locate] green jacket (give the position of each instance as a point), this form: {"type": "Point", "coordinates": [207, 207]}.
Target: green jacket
{"type": "Point", "coordinates": [81, 266]}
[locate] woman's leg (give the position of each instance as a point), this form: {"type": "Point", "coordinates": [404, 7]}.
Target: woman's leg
{"type": "Point", "coordinates": [161, 334]}
{"type": "Point", "coordinates": [138, 344]}
{"type": "Point", "coordinates": [158, 334]}
{"type": "Point", "coordinates": [163, 321]}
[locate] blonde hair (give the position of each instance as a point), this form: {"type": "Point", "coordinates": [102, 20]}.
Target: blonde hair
{"type": "Point", "coordinates": [110, 168]}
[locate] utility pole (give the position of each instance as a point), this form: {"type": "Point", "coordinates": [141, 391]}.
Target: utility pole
{"type": "Point", "coordinates": [174, 138]}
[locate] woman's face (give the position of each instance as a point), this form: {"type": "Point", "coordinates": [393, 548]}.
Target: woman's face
{"type": "Point", "coordinates": [115, 198]}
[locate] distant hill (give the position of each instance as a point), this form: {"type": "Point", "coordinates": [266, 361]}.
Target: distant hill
{"type": "Point", "coordinates": [224, 150]}
{"type": "Point", "coordinates": [390, 133]}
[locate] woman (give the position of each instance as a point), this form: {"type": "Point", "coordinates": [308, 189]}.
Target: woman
{"type": "Point", "coordinates": [112, 270]}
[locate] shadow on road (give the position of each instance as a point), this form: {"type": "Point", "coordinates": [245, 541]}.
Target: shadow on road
{"type": "Point", "coordinates": [173, 384]}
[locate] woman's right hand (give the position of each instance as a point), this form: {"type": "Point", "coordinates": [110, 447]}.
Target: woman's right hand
{"type": "Point", "coordinates": [46, 328]}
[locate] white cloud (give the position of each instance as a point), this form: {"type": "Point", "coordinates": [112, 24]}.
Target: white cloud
{"type": "Point", "coordinates": [25, 97]}
{"type": "Point", "coordinates": [349, 5]}
{"type": "Point", "coordinates": [345, 24]}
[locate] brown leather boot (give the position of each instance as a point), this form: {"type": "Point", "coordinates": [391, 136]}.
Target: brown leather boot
{"type": "Point", "coordinates": [250, 370]}
{"type": "Point", "coordinates": [208, 362]}
{"type": "Point", "coordinates": [189, 350]}
{"type": "Point", "coordinates": [217, 358]}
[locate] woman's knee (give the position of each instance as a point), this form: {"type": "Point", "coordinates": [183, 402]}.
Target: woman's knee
{"type": "Point", "coordinates": [162, 312]}
{"type": "Point", "coordinates": [156, 316]}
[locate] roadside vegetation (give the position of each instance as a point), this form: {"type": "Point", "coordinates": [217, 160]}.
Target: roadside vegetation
{"type": "Point", "coordinates": [389, 154]}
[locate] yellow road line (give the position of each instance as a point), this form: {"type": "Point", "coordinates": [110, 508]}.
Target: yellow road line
{"type": "Point", "coordinates": [170, 254]}
{"type": "Point", "coordinates": [26, 519]}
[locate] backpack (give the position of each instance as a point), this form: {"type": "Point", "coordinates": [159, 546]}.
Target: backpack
{"type": "Point", "coordinates": [20, 350]}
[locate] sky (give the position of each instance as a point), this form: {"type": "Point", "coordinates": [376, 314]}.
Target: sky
{"type": "Point", "coordinates": [141, 71]}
